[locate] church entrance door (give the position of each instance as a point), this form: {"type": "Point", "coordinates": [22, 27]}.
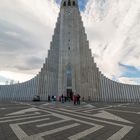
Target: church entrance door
{"type": "Point", "coordinates": [70, 94]}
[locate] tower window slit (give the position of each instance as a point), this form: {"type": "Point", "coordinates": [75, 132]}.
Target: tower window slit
{"type": "Point", "coordinates": [73, 3]}
{"type": "Point", "coordinates": [69, 3]}
{"type": "Point", "coordinates": [64, 4]}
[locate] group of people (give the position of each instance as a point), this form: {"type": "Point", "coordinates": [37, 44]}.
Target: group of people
{"type": "Point", "coordinates": [53, 98]}
{"type": "Point", "coordinates": [76, 99]}
{"type": "Point", "coordinates": [62, 98]}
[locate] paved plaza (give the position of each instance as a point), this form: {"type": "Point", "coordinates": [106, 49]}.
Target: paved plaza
{"type": "Point", "coordinates": [65, 121]}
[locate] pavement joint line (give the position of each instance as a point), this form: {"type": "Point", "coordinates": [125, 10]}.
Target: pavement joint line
{"type": "Point", "coordinates": [33, 121]}
{"type": "Point", "coordinates": [97, 109]}
{"type": "Point", "coordinates": [71, 110]}
{"type": "Point", "coordinates": [84, 133]}
{"type": "Point", "coordinates": [2, 108]}
{"type": "Point", "coordinates": [57, 130]}
{"type": "Point", "coordinates": [17, 107]}
{"type": "Point", "coordinates": [17, 116]}
{"type": "Point", "coordinates": [131, 107]}
{"type": "Point", "coordinates": [82, 109]}
{"type": "Point", "coordinates": [123, 111]}
{"type": "Point", "coordinates": [121, 133]}
{"type": "Point", "coordinates": [51, 123]}
{"type": "Point", "coordinates": [110, 106]}
{"type": "Point", "coordinates": [19, 119]}
{"type": "Point", "coordinates": [23, 111]}
{"type": "Point", "coordinates": [18, 131]}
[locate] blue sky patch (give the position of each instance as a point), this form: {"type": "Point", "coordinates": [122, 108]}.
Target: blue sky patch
{"type": "Point", "coordinates": [114, 78]}
{"type": "Point", "coordinates": [130, 71]}
{"type": "Point", "coordinates": [82, 4]}
{"type": "Point", "coordinates": [58, 1]}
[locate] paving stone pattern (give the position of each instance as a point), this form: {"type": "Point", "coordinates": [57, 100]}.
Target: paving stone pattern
{"type": "Point", "coordinates": [65, 121]}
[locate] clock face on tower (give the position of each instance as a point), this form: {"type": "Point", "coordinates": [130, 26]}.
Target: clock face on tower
{"type": "Point", "coordinates": [68, 11]}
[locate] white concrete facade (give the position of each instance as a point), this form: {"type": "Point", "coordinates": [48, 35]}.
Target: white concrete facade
{"type": "Point", "coordinates": [70, 66]}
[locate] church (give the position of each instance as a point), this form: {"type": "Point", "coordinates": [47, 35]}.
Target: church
{"type": "Point", "coordinates": [69, 67]}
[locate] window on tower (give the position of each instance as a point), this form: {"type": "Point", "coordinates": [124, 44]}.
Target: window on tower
{"type": "Point", "coordinates": [73, 3]}
{"type": "Point", "coordinates": [69, 75]}
{"type": "Point", "coordinates": [69, 3]}
{"type": "Point", "coordinates": [64, 4]}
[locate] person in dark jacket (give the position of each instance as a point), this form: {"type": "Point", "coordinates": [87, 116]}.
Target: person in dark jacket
{"type": "Point", "coordinates": [78, 99]}
{"type": "Point", "coordinates": [49, 98]}
{"type": "Point", "coordinates": [62, 98]}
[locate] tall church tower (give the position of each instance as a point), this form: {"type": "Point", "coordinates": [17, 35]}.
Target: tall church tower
{"type": "Point", "coordinates": [69, 53]}
{"type": "Point", "coordinates": [69, 67]}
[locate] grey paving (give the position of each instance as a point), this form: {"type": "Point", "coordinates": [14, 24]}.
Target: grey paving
{"type": "Point", "coordinates": [58, 121]}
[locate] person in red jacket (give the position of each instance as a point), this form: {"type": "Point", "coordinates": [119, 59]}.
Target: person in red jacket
{"type": "Point", "coordinates": [74, 99]}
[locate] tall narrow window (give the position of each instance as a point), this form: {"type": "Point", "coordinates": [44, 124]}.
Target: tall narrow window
{"type": "Point", "coordinates": [69, 3]}
{"type": "Point", "coordinates": [69, 75]}
{"type": "Point", "coordinates": [73, 3]}
{"type": "Point", "coordinates": [64, 4]}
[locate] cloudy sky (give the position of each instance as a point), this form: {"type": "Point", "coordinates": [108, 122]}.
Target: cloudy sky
{"type": "Point", "coordinates": [112, 27]}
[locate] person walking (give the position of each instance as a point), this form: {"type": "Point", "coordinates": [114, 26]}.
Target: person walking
{"type": "Point", "coordinates": [52, 98]}
{"type": "Point", "coordinates": [74, 99]}
{"type": "Point", "coordinates": [78, 99]}
{"type": "Point", "coordinates": [49, 98]}
{"type": "Point", "coordinates": [62, 98]}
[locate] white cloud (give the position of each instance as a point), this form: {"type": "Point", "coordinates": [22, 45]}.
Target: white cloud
{"type": "Point", "coordinates": [15, 76]}
{"type": "Point", "coordinates": [133, 81]}
{"type": "Point", "coordinates": [26, 28]}
{"type": "Point", "coordinates": [114, 27]}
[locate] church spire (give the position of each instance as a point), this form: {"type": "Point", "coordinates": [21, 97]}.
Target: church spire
{"type": "Point", "coordinates": [65, 3]}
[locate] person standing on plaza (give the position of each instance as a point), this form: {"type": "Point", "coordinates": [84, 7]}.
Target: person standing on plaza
{"type": "Point", "coordinates": [65, 97]}
{"type": "Point", "coordinates": [78, 99]}
{"type": "Point", "coordinates": [62, 98]}
{"type": "Point", "coordinates": [49, 98]}
{"type": "Point", "coordinates": [74, 99]}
